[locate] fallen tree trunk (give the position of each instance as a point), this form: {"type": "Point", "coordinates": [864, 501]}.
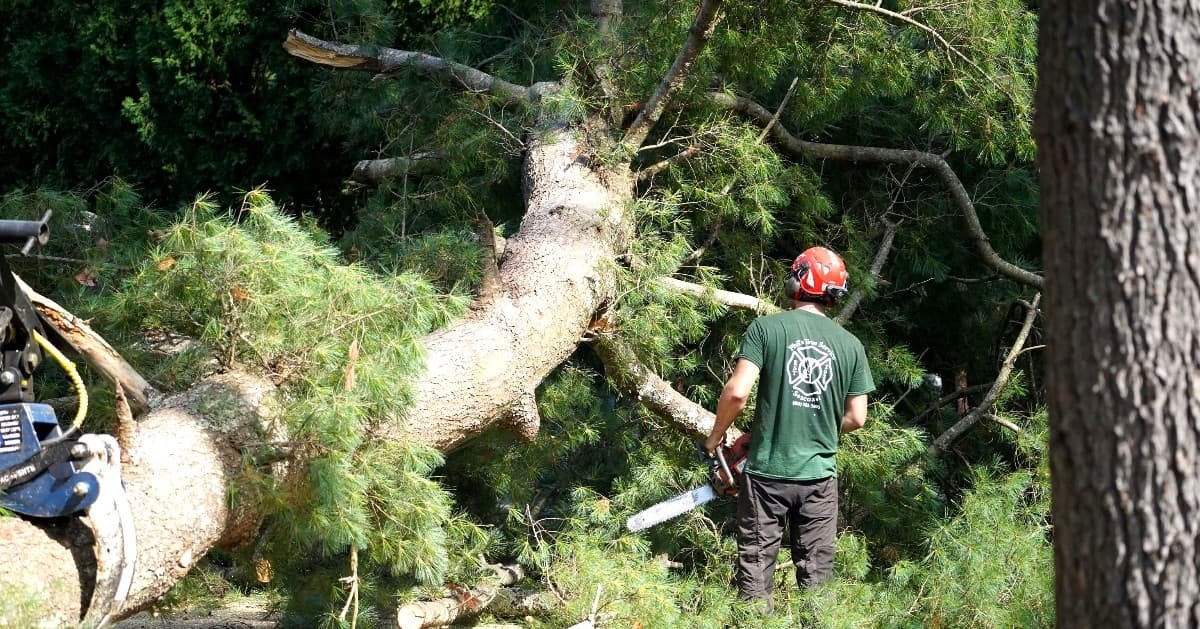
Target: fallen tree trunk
{"type": "Point", "coordinates": [482, 371]}
{"type": "Point", "coordinates": [554, 275]}
{"type": "Point", "coordinates": [188, 450]}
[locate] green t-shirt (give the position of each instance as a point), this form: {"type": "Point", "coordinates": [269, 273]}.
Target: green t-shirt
{"type": "Point", "coordinates": [808, 366]}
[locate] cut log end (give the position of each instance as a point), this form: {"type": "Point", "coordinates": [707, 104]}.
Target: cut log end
{"type": "Point", "coordinates": [310, 49]}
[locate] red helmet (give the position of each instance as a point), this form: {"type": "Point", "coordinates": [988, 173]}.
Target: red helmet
{"type": "Point", "coordinates": [818, 274]}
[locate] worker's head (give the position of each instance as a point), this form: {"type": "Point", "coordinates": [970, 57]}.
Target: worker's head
{"type": "Point", "coordinates": [818, 276]}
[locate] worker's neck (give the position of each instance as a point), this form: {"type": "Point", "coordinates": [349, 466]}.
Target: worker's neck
{"type": "Point", "coordinates": [809, 306]}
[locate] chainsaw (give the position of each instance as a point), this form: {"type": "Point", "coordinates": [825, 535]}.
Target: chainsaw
{"type": "Point", "coordinates": [725, 469]}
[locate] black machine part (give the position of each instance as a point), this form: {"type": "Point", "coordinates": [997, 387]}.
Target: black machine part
{"type": "Point", "coordinates": [18, 319]}
{"type": "Point", "coordinates": [727, 465]}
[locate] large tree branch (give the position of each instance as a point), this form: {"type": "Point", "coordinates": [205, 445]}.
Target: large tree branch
{"type": "Point", "coordinates": [932, 161]}
{"type": "Point", "coordinates": [386, 61]}
{"type": "Point", "coordinates": [377, 171]}
{"type": "Point", "coordinates": [638, 382]}
{"type": "Point", "coordinates": [553, 276]}
{"type": "Point", "coordinates": [702, 28]}
{"type": "Point", "coordinates": [969, 420]}
{"type": "Point", "coordinates": [728, 298]}
{"type": "Point", "coordinates": [555, 272]}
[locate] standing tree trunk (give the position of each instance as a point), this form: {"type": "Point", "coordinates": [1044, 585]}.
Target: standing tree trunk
{"type": "Point", "coordinates": [1119, 152]}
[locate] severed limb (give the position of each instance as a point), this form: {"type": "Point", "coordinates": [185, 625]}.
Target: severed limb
{"type": "Point", "coordinates": [932, 161]}
{"type": "Point", "coordinates": [969, 420]}
{"type": "Point", "coordinates": [94, 349]}
{"type": "Point", "coordinates": [648, 173]}
{"type": "Point", "coordinates": [1000, 421]}
{"type": "Point", "coordinates": [728, 298]}
{"type": "Point", "coordinates": [463, 603]}
{"type": "Point", "coordinates": [387, 61]}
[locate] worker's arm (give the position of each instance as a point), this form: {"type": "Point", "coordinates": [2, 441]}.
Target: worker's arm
{"type": "Point", "coordinates": [733, 400]}
{"type": "Point", "coordinates": [856, 413]}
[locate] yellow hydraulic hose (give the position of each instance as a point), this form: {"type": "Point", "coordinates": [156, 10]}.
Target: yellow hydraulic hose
{"type": "Point", "coordinates": [72, 373]}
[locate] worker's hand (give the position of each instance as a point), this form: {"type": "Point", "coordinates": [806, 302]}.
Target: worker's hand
{"type": "Point", "coordinates": [713, 441]}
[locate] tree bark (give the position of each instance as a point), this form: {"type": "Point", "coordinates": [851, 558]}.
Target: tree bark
{"type": "Point", "coordinates": [388, 61]}
{"type": "Point", "coordinates": [1119, 153]}
{"type": "Point", "coordinates": [639, 383]}
{"type": "Point", "coordinates": [554, 275]}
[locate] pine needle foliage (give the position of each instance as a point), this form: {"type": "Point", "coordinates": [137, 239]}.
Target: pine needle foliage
{"type": "Point", "coordinates": [271, 293]}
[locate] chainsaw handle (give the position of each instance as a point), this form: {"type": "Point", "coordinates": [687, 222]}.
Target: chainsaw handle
{"type": "Point", "coordinates": [724, 465]}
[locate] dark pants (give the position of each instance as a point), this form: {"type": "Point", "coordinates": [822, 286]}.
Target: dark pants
{"type": "Point", "coordinates": [809, 508]}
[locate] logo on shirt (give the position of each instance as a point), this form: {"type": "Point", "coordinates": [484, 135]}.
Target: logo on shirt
{"type": "Point", "coordinates": [809, 371]}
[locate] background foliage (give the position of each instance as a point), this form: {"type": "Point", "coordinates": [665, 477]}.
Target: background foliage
{"type": "Point", "coordinates": [117, 124]}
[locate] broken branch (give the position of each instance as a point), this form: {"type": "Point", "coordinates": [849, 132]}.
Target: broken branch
{"type": "Point", "coordinates": [388, 61]}
{"type": "Point", "coordinates": [1002, 422]}
{"type": "Point", "coordinates": [637, 381]}
{"type": "Point", "coordinates": [932, 161]}
{"type": "Point", "coordinates": [728, 298]}
{"type": "Point", "coordinates": [377, 171]}
{"type": "Point", "coordinates": [93, 348]}
{"type": "Point", "coordinates": [969, 420]}
{"type": "Point", "coordinates": [659, 166]}
{"type": "Point", "coordinates": [885, 247]}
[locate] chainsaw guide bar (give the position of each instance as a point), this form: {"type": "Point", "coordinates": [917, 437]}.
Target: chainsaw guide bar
{"type": "Point", "coordinates": [672, 508]}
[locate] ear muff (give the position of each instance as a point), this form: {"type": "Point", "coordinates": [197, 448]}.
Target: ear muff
{"type": "Point", "coordinates": [793, 281]}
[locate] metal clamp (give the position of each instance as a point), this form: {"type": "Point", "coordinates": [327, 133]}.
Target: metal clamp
{"type": "Point", "coordinates": [111, 522]}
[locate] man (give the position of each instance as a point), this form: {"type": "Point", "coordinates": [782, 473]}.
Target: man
{"type": "Point", "coordinates": [814, 386]}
